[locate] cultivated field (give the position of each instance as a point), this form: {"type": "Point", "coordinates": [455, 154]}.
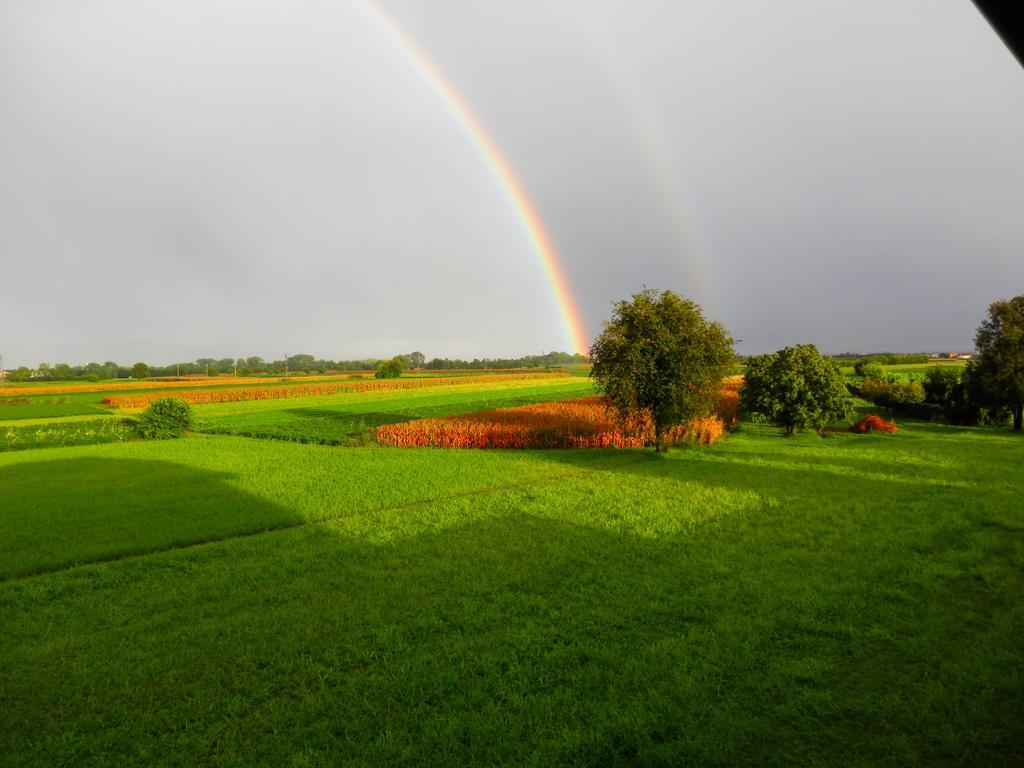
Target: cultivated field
{"type": "Point", "coordinates": [278, 589]}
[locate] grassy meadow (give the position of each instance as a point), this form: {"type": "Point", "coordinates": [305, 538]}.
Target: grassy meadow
{"type": "Point", "coordinates": [276, 589]}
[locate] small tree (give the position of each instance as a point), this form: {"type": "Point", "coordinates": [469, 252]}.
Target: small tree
{"type": "Point", "coordinates": [997, 375]}
{"type": "Point", "coordinates": [794, 388]}
{"type": "Point", "coordinates": [140, 371]}
{"type": "Point", "coordinates": [659, 356]}
{"type": "Point", "coordinates": [390, 369]}
{"type": "Point", "coordinates": [165, 417]}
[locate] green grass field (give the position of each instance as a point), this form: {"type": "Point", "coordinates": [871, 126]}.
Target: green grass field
{"type": "Point", "coordinates": [223, 600]}
{"type": "Point", "coordinates": [49, 406]}
{"type": "Point", "coordinates": [912, 371]}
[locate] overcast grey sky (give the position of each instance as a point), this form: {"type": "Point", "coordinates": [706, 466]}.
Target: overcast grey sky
{"type": "Point", "coordinates": [237, 177]}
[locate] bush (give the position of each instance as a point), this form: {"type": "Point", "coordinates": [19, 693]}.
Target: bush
{"type": "Point", "coordinates": [906, 393]}
{"type": "Point", "coordinates": [166, 417]}
{"type": "Point", "coordinates": [874, 423]}
{"type": "Point", "coordinates": [892, 394]}
{"type": "Point", "coordinates": [870, 370]}
{"type": "Point", "coordinates": [390, 369]}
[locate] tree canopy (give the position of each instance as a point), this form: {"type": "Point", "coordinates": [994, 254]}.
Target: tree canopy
{"type": "Point", "coordinates": [997, 375]}
{"type": "Point", "coordinates": [659, 355]}
{"type": "Point", "coordinates": [794, 388]}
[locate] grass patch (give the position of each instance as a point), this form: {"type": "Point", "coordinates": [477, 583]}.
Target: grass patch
{"type": "Point", "coordinates": [16, 436]}
{"type": "Point", "coordinates": [47, 407]}
{"type": "Point", "coordinates": [848, 600]}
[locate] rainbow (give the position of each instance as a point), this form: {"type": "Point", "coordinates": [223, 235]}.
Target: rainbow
{"type": "Point", "coordinates": [526, 212]}
{"type": "Point", "coordinates": [638, 111]}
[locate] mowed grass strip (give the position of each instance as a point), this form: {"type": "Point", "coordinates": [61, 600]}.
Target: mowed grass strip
{"type": "Point", "coordinates": [851, 600]}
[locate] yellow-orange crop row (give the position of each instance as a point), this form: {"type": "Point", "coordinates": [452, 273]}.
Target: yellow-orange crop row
{"type": "Point", "coordinates": [579, 423]}
{"type": "Point", "coordinates": [199, 381]}
{"type": "Point", "coordinates": [206, 396]}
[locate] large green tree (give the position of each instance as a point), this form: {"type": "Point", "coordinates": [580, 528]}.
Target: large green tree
{"type": "Point", "coordinates": [998, 372]}
{"type": "Point", "coordinates": [795, 388]}
{"type": "Point", "coordinates": [658, 355]}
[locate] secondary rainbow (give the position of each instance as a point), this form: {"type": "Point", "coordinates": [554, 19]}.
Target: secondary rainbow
{"type": "Point", "coordinates": [529, 219]}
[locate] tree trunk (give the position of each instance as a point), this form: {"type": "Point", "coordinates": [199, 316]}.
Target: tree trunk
{"type": "Point", "coordinates": [659, 438]}
{"type": "Point", "coordinates": [1018, 416]}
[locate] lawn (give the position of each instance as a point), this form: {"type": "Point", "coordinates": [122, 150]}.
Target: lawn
{"type": "Point", "coordinates": [765, 601]}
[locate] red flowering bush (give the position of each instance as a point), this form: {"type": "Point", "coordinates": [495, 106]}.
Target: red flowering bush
{"type": "Point", "coordinates": [874, 423]}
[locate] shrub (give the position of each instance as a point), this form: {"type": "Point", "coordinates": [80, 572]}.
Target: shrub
{"type": "Point", "coordinates": [870, 370]}
{"type": "Point", "coordinates": [906, 393]}
{"type": "Point", "coordinates": [165, 417]}
{"type": "Point", "coordinates": [874, 390]}
{"type": "Point", "coordinates": [390, 369]}
{"type": "Point", "coordinates": [892, 394]}
{"type": "Point", "coordinates": [874, 423]}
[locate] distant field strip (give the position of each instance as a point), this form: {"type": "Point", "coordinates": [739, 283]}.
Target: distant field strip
{"type": "Point", "coordinates": [216, 381]}
{"type": "Point", "coordinates": [352, 418]}
{"type": "Point", "coordinates": [42, 420]}
{"type": "Point", "coordinates": [313, 390]}
{"type": "Point", "coordinates": [48, 407]}
{"type": "Point", "coordinates": [228, 381]}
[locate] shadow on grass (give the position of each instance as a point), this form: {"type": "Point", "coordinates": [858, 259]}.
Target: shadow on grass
{"type": "Point", "coordinates": [500, 629]}
{"type": "Point", "coordinates": [504, 640]}
{"type": "Point", "coordinates": [68, 511]}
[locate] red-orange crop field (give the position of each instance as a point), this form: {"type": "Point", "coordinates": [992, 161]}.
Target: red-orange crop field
{"type": "Point", "coordinates": [586, 422]}
{"type": "Point", "coordinates": [238, 394]}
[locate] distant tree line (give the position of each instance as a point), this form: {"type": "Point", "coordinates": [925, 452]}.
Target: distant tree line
{"type": "Point", "coordinates": [530, 361]}
{"type": "Point", "coordinates": [255, 366]}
